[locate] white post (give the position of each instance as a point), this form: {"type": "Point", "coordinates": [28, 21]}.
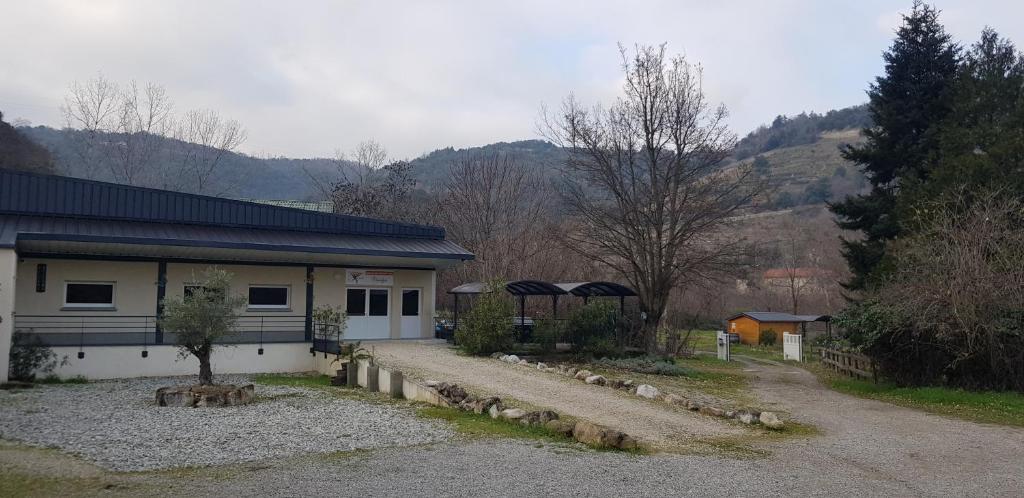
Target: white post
{"type": "Point", "coordinates": [792, 347]}
{"type": "Point", "coordinates": [723, 346]}
{"type": "Point", "coordinates": [8, 272]}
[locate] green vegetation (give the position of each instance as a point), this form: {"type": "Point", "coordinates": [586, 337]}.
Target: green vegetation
{"type": "Point", "coordinates": [705, 340]}
{"type": "Point", "coordinates": [486, 328]}
{"type": "Point", "coordinates": [592, 330]}
{"type": "Point", "coordinates": [482, 425]}
{"type": "Point", "coordinates": [767, 337]}
{"type": "Point", "coordinates": [302, 380]}
{"type": "Point", "coordinates": [644, 364]}
{"type": "Point", "coordinates": [30, 357]}
{"type": "Point", "coordinates": [1005, 408]}
{"type": "Point", "coordinates": [53, 379]}
{"type": "Point", "coordinates": [547, 333]}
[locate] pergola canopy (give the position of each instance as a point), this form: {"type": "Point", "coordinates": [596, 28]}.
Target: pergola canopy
{"type": "Point", "coordinates": [597, 289]}
{"type": "Point", "coordinates": [541, 288]}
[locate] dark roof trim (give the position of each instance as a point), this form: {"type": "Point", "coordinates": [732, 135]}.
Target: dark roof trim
{"type": "Point", "coordinates": [35, 194]}
{"type": "Point", "coordinates": [540, 288]}
{"type": "Point", "coordinates": [775, 317]}
{"type": "Point", "coordinates": [238, 245]}
{"type": "Point", "coordinates": [206, 261]}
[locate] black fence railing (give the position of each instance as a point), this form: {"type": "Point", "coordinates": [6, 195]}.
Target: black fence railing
{"type": "Point", "coordinates": [141, 330]}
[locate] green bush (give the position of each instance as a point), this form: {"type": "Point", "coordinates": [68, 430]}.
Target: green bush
{"type": "Point", "coordinates": [547, 333]}
{"type": "Point", "coordinates": [29, 356]}
{"type": "Point", "coordinates": [646, 365]}
{"type": "Point", "coordinates": [767, 337]}
{"type": "Point", "coordinates": [487, 328]}
{"type": "Point", "coordinates": [593, 329]}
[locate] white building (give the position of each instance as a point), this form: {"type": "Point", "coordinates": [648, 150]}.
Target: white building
{"type": "Point", "coordinates": [85, 265]}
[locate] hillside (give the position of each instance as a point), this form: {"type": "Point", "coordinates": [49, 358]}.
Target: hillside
{"type": "Point", "coordinates": [799, 157]}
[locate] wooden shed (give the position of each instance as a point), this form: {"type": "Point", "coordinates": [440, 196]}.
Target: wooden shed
{"type": "Point", "coordinates": [748, 325]}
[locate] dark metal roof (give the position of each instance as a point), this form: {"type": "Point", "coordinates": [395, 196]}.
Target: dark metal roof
{"type": "Point", "coordinates": [533, 288]}
{"type": "Point", "coordinates": [595, 289]}
{"type": "Point", "coordinates": [539, 288]}
{"type": "Point", "coordinates": [16, 229]}
{"type": "Point", "coordinates": [47, 195]}
{"type": "Point", "coordinates": [773, 316]}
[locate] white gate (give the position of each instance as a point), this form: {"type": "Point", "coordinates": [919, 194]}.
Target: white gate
{"type": "Point", "coordinates": [792, 347]}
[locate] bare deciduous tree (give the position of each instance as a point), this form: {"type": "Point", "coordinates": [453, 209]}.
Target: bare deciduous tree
{"type": "Point", "coordinates": [212, 137]}
{"type": "Point", "coordinates": [496, 208]}
{"type": "Point", "coordinates": [129, 129]}
{"type": "Point", "coordinates": [646, 184]}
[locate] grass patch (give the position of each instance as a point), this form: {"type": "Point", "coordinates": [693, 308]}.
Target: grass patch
{"type": "Point", "coordinates": [646, 365]}
{"type": "Point", "coordinates": [1006, 408]}
{"type": "Point", "coordinates": [305, 380]}
{"type": "Point", "coordinates": [482, 425]}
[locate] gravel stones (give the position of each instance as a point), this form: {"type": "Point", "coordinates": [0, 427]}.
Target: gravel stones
{"type": "Point", "coordinates": [118, 425]}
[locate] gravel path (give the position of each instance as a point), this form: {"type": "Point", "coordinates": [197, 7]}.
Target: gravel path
{"type": "Point", "coordinates": [655, 423]}
{"type": "Point", "coordinates": [117, 424]}
{"type": "Point", "coordinates": [915, 452]}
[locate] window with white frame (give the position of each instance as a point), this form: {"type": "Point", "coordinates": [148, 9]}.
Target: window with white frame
{"type": "Point", "coordinates": [269, 297]}
{"type": "Point", "coordinates": [92, 295]}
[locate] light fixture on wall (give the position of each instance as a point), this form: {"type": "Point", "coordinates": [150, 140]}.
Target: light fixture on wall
{"type": "Point", "coordinates": [145, 354]}
{"type": "Point", "coordinates": [81, 354]}
{"type": "Point", "coordinates": [259, 351]}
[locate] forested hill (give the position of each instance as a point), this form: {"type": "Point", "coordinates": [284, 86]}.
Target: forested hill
{"type": "Point", "coordinates": [799, 154]}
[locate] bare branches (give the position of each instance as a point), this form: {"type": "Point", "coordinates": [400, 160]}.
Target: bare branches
{"type": "Point", "coordinates": [644, 178]}
{"type": "Point", "coordinates": [131, 129]}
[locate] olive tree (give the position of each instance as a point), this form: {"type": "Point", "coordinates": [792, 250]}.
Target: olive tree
{"type": "Point", "coordinates": [202, 318]}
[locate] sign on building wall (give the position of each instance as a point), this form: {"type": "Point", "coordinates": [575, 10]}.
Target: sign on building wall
{"type": "Point", "coordinates": [369, 277]}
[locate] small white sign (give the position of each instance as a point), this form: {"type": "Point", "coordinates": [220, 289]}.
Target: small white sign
{"type": "Point", "coordinates": [369, 277]}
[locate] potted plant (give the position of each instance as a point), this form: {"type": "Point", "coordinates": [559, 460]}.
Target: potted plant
{"type": "Point", "coordinates": [353, 352]}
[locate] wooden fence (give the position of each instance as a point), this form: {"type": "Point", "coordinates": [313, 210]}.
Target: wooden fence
{"type": "Point", "coordinates": [849, 364]}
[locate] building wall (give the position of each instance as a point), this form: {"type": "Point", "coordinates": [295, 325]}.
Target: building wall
{"type": "Point", "coordinates": [749, 329]}
{"type": "Point", "coordinates": [111, 362]}
{"type": "Point", "coordinates": [134, 292]}
{"type": "Point", "coordinates": [8, 291]}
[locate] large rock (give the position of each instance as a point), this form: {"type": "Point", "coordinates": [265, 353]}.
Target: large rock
{"type": "Point", "coordinates": [538, 418]}
{"type": "Point", "coordinates": [558, 426]}
{"type": "Point", "coordinates": [582, 374]}
{"type": "Point", "coordinates": [512, 413]}
{"type": "Point", "coordinates": [511, 358]}
{"type": "Point", "coordinates": [647, 391]}
{"type": "Point", "coordinates": [203, 396]}
{"type": "Point", "coordinates": [541, 366]}
{"type": "Point", "coordinates": [712, 410]}
{"type": "Point", "coordinates": [771, 420]}
{"type": "Point", "coordinates": [495, 410]}
{"type": "Point", "coordinates": [747, 417]}
{"type": "Point", "coordinates": [596, 379]}
{"type": "Point", "coordinates": [595, 435]}
{"type": "Point", "coordinates": [674, 399]}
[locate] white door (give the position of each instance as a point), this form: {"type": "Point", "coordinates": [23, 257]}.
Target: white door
{"type": "Point", "coordinates": [412, 326]}
{"type": "Point", "coordinates": [368, 312]}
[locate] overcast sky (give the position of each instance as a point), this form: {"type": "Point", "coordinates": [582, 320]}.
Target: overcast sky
{"type": "Point", "coordinates": [306, 78]}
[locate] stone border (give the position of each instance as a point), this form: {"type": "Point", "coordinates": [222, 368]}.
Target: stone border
{"type": "Point", "coordinates": [376, 378]}
{"type": "Point", "coordinates": [770, 420]}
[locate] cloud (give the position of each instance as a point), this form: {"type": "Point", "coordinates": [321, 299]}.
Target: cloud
{"type": "Point", "coordinates": [308, 78]}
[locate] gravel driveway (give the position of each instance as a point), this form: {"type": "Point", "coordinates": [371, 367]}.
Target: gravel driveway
{"type": "Point", "coordinates": [913, 452]}
{"type": "Point", "coordinates": [658, 424]}
{"type": "Point", "coordinates": [117, 424]}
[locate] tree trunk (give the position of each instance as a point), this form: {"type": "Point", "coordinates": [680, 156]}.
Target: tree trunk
{"type": "Point", "coordinates": [205, 371]}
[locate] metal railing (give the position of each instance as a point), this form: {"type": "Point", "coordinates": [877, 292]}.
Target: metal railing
{"type": "Point", "coordinates": [141, 330]}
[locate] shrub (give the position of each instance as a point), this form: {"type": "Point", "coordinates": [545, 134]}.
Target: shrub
{"type": "Point", "coordinates": [646, 365]}
{"type": "Point", "coordinates": [592, 329]}
{"type": "Point", "coordinates": [767, 337]}
{"type": "Point", "coordinates": [29, 357]}
{"type": "Point", "coordinates": [487, 327]}
{"type": "Point", "coordinates": [547, 333]}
